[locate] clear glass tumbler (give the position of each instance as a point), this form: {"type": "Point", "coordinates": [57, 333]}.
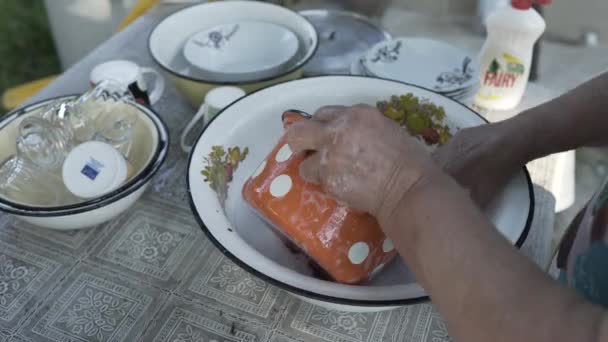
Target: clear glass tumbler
{"type": "Point", "coordinates": [24, 182]}
{"type": "Point", "coordinates": [114, 125]}
{"type": "Point", "coordinates": [116, 128]}
{"type": "Point", "coordinates": [43, 143]}
{"type": "Point", "coordinates": [78, 117]}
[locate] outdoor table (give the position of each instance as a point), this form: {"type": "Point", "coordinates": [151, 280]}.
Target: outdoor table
{"type": "Point", "coordinates": [152, 275]}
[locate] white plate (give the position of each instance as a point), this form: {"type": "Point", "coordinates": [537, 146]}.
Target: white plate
{"type": "Point", "coordinates": [242, 49]}
{"type": "Point", "coordinates": [461, 95]}
{"type": "Point", "coordinates": [429, 63]}
{"type": "Point", "coordinates": [255, 122]}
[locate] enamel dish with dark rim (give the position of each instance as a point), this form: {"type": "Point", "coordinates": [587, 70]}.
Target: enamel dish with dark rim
{"type": "Point", "coordinates": [167, 40]}
{"type": "Point", "coordinates": [150, 144]}
{"type": "Point", "coordinates": [254, 121]}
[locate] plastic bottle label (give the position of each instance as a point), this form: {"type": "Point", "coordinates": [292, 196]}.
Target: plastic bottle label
{"type": "Point", "coordinates": [502, 73]}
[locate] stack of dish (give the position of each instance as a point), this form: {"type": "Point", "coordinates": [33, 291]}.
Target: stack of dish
{"type": "Point", "coordinates": [431, 64]}
{"type": "Point", "coordinates": [247, 44]}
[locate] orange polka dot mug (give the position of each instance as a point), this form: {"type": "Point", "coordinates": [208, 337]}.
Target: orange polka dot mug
{"type": "Point", "coordinates": [346, 245]}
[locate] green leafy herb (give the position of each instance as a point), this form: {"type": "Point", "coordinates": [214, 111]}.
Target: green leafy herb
{"type": "Point", "coordinates": [220, 168]}
{"type": "Point", "coordinates": [420, 117]}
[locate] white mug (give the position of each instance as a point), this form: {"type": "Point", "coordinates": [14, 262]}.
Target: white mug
{"type": "Point", "coordinates": [215, 100]}
{"type": "Point", "coordinates": [131, 77]}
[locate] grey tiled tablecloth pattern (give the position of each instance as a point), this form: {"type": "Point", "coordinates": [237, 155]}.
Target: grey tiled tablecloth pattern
{"type": "Point", "coordinates": [151, 274]}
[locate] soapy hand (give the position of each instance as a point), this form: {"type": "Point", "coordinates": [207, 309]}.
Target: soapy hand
{"type": "Point", "coordinates": [360, 157]}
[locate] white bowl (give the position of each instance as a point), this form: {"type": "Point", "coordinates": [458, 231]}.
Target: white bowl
{"type": "Point", "coordinates": [148, 152]}
{"type": "Point", "coordinates": [242, 50]}
{"type": "Point", "coordinates": [246, 239]}
{"type": "Point", "coordinates": [166, 43]}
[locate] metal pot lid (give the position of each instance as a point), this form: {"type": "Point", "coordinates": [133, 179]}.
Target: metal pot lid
{"type": "Point", "coordinates": [343, 36]}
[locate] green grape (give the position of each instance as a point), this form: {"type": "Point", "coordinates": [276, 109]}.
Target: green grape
{"type": "Point", "coordinates": [417, 122]}
{"type": "Point", "coordinates": [440, 113]}
{"type": "Point", "coordinates": [408, 103]}
{"type": "Point", "coordinates": [418, 116]}
{"type": "Point", "coordinates": [394, 114]}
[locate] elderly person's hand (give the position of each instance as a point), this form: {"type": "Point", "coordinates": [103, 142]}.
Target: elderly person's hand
{"type": "Point", "coordinates": [483, 159]}
{"type": "Point", "coordinates": [361, 157]}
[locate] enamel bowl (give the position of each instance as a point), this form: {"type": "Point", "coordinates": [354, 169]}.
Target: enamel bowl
{"type": "Point", "coordinates": [167, 40]}
{"type": "Point", "coordinates": [148, 152]}
{"type": "Point", "coordinates": [242, 50]}
{"type": "Point", "coordinates": [254, 121]}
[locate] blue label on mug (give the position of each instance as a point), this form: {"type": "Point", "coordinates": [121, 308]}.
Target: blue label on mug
{"type": "Point", "coordinates": [92, 169]}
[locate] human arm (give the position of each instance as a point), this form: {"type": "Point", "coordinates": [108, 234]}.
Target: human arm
{"type": "Point", "coordinates": [484, 158]}
{"type": "Point", "coordinates": [482, 286]}
{"type": "Point", "coordinates": [572, 120]}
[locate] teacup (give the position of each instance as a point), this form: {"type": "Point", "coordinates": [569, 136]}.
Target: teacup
{"type": "Point", "coordinates": [215, 100]}
{"type": "Point", "coordinates": [131, 77]}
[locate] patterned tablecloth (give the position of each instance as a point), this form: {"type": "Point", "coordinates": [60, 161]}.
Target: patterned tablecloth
{"type": "Point", "coordinates": [151, 274]}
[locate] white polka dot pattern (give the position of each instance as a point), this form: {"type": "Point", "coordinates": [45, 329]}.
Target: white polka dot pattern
{"type": "Point", "coordinates": [358, 253]}
{"type": "Point", "coordinates": [283, 154]}
{"type": "Point", "coordinates": [280, 186]}
{"type": "Point", "coordinates": [387, 246]}
{"type": "Point", "coordinates": [260, 169]}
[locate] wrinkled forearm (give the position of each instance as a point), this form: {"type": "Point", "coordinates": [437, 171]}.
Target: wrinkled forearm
{"type": "Point", "coordinates": [575, 119]}
{"type": "Point", "coordinates": [483, 287]}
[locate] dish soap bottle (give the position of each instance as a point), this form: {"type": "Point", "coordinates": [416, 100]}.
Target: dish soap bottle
{"type": "Point", "coordinates": [507, 54]}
